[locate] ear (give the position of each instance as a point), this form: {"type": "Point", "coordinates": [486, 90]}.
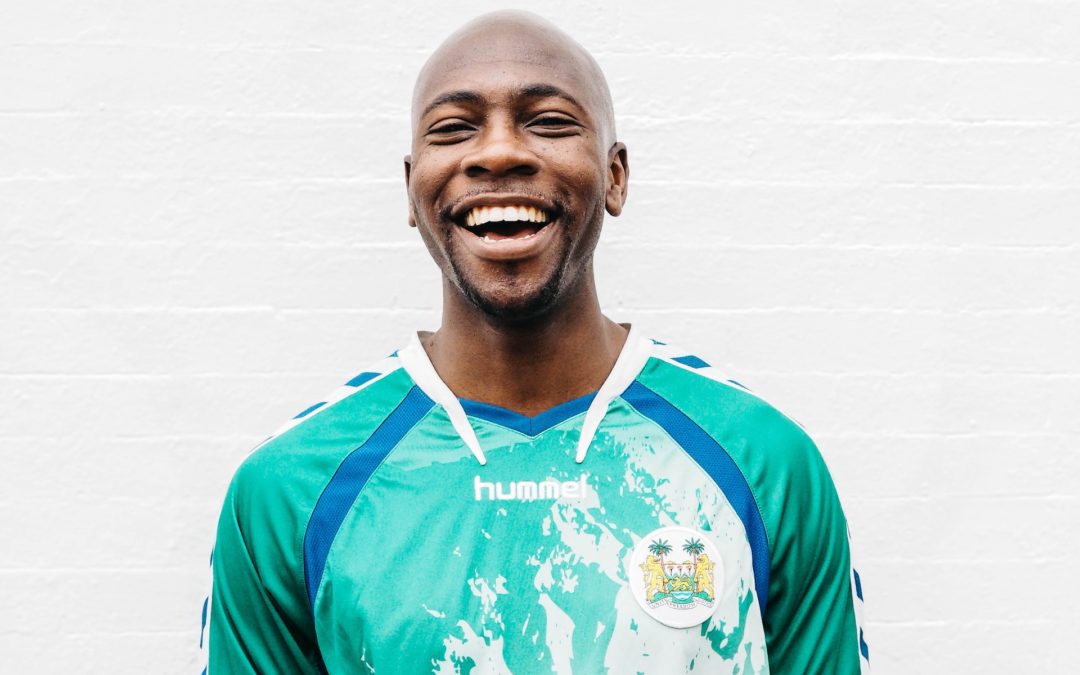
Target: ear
{"type": "Point", "coordinates": [618, 175]}
{"type": "Point", "coordinates": [408, 198]}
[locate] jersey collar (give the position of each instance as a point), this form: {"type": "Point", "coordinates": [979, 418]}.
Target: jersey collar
{"type": "Point", "coordinates": [632, 359]}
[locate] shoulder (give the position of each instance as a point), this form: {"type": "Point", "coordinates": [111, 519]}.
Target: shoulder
{"type": "Point", "coordinates": [365, 385]}
{"type": "Point", "coordinates": [276, 488]}
{"type": "Point", "coordinates": [780, 462]}
{"type": "Point", "coordinates": [725, 406]}
{"type": "Point", "coordinates": [300, 456]}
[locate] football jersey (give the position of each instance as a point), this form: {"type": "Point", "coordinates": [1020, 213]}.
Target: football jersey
{"type": "Point", "coordinates": [670, 522]}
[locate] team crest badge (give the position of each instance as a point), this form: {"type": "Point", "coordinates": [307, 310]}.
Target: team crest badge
{"type": "Point", "coordinates": [674, 573]}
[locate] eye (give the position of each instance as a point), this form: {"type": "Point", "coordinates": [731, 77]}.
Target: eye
{"type": "Point", "coordinates": [450, 128]}
{"type": "Point", "coordinates": [554, 125]}
{"type": "Point", "coordinates": [449, 131]}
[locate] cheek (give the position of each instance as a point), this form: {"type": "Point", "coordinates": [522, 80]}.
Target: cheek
{"type": "Point", "coordinates": [588, 181]}
{"type": "Point", "coordinates": [430, 173]}
{"type": "Point", "coordinates": [586, 168]}
{"type": "Point", "coordinates": [438, 246]}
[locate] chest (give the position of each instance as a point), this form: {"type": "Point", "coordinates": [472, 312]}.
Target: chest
{"type": "Point", "coordinates": [534, 563]}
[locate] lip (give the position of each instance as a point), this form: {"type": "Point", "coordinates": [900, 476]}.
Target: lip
{"type": "Point", "coordinates": [504, 250]}
{"type": "Point", "coordinates": [457, 214]}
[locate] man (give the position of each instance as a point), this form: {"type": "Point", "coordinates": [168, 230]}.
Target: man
{"type": "Point", "coordinates": [532, 487]}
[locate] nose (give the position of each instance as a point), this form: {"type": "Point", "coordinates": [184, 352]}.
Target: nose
{"type": "Point", "coordinates": [500, 151]}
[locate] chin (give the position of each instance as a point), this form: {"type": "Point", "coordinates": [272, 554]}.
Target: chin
{"type": "Point", "coordinates": [515, 305]}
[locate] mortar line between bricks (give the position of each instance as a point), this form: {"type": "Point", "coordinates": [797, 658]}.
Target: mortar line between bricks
{"type": "Point", "coordinates": [308, 180]}
{"type": "Point", "coordinates": [163, 438]}
{"type": "Point", "coordinates": [951, 435]}
{"type": "Point", "coordinates": [936, 375]}
{"type": "Point", "coordinates": [942, 623]}
{"type": "Point", "coordinates": [958, 497]}
{"type": "Point", "coordinates": [123, 633]}
{"type": "Point", "coordinates": [231, 309]}
{"type": "Point", "coordinates": [1056, 311]}
{"type": "Point", "coordinates": [1051, 559]}
{"type": "Point", "coordinates": [93, 570]}
{"type": "Point", "coordinates": [359, 118]}
{"type": "Point", "coordinates": [663, 53]}
{"type": "Point", "coordinates": [615, 241]}
{"type": "Point", "coordinates": [899, 311]}
{"type": "Point", "coordinates": [837, 436]}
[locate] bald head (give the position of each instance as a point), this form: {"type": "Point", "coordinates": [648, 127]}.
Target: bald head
{"type": "Point", "coordinates": [514, 165]}
{"type": "Point", "coordinates": [509, 37]}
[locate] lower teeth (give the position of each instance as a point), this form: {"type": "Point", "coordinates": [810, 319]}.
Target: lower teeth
{"type": "Point", "coordinates": [490, 240]}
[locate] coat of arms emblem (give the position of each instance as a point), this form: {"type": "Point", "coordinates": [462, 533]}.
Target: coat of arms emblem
{"type": "Point", "coordinates": [673, 574]}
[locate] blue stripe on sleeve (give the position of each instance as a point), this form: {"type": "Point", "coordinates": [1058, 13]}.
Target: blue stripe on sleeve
{"type": "Point", "coordinates": [309, 410]}
{"type": "Point", "coordinates": [712, 457]}
{"type": "Point", "coordinates": [361, 379]}
{"type": "Point", "coordinates": [692, 361]}
{"type": "Point", "coordinates": [202, 629]}
{"type": "Point", "coordinates": [352, 474]}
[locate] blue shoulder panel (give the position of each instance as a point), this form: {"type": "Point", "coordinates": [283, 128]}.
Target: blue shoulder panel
{"type": "Point", "coordinates": [712, 457]}
{"type": "Point", "coordinates": [692, 361]}
{"type": "Point", "coordinates": [349, 479]}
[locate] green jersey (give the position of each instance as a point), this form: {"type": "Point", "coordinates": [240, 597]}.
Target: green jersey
{"type": "Point", "coordinates": [670, 522]}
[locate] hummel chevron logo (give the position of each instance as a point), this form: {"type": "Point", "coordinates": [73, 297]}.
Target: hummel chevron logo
{"type": "Point", "coordinates": [527, 490]}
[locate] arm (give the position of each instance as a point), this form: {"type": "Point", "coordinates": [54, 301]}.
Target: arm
{"type": "Point", "coordinates": [259, 621]}
{"type": "Point", "coordinates": [811, 622]}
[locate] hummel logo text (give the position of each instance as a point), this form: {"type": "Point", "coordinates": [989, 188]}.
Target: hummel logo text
{"type": "Point", "coordinates": [527, 490]}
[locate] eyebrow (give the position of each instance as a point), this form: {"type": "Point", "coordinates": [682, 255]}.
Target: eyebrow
{"type": "Point", "coordinates": [474, 98]}
{"type": "Point", "coordinates": [460, 96]}
{"type": "Point", "coordinates": [547, 91]}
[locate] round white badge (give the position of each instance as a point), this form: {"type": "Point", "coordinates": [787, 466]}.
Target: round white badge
{"type": "Point", "coordinates": [674, 574]}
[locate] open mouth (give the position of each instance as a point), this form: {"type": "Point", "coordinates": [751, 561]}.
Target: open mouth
{"type": "Point", "coordinates": [504, 223]}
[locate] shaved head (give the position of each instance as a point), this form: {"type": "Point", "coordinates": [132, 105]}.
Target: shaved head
{"type": "Point", "coordinates": [522, 37]}
{"type": "Point", "coordinates": [514, 164]}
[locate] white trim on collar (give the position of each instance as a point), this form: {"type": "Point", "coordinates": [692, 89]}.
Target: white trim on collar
{"type": "Point", "coordinates": [633, 357]}
{"type": "Point", "coordinates": [416, 362]}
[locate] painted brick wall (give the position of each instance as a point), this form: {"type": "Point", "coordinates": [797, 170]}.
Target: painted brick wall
{"type": "Point", "coordinates": [866, 211]}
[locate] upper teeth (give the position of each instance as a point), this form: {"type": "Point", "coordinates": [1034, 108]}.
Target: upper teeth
{"type": "Point", "coordinates": [486, 214]}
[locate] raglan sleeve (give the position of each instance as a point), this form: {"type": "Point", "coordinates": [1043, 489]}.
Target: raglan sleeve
{"type": "Point", "coordinates": [813, 616]}
{"type": "Point", "coordinates": [257, 619]}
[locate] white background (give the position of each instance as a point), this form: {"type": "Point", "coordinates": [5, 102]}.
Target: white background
{"type": "Point", "coordinates": [868, 212]}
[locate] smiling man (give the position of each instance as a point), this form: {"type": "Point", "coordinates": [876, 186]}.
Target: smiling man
{"type": "Point", "coordinates": [532, 487]}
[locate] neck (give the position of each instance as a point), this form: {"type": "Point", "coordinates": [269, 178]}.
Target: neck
{"type": "Point", "coordinates": [528, 367]}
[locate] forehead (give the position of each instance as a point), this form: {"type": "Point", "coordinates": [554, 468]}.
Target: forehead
{"type": "Point", "coordinates": [496, 62]}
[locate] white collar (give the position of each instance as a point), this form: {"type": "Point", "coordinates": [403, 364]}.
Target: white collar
{"type": "Point", "coordinates": [633, 357]}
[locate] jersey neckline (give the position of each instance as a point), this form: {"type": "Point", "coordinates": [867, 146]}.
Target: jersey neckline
{"type": "Point", "coordinates": [632, 359]}
{"type": "Point", "coordinates": [528, 425]}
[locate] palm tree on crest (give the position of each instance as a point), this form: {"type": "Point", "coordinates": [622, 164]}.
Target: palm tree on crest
{"type": "Point", "coordinates": [660, 548]}
{"type": "Point", "coordinates": [695, 548]}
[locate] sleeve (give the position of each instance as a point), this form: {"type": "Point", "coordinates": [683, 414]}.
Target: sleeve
{"type": "Point", "coordinates": [812, 619]}
{"type": "Point", "coordinates": [258, 620]}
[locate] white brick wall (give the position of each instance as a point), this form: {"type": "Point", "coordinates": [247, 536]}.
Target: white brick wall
{"type": "Point", "coordinates": [866, 211]}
